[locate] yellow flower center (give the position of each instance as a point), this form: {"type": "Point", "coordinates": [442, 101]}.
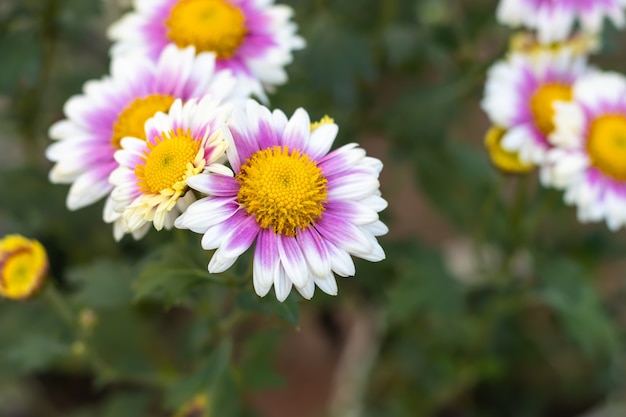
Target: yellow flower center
{"type": "Point", "coordinates": [284, 189]}
{"type": "Point", "coordinates": [542, 105]}
{"type": "Point", "coordinates": [168, 163]}
{"type": "Point", "coordinates": [209, 25]}
{"type": "Point", "coordinates": [23, 265]}
{"type": "Point", "coordinates": [323, 121]}
{"type": "Point", "coordinates": [607, 145]}
{"type": "Point", "coordinates": [132, 119]}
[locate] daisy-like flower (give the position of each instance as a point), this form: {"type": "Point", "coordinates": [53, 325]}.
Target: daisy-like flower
{"type": "Point", "coordinates": [589, 157]}
{"type": "Point", "coordinates": [118, 106]}
{"type": "Point", "coordinates": [23, 267]}
{"type": "Point", "coordinates": [519, 96]}
{"type": "Point", "coordinates": [307, 209]}
{"type": "Point", "coordinates": [150, 182]}
{"type": "Point", "coordinates": [505, 161]}
{"type": "Point", "coordinates": [253, 38]}
{"type": "Point", "coordinates": [554, 20]}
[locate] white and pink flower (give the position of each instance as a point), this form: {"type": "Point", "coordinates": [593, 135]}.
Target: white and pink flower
{"type": "Point", "coordinates": [150, 182]}
{"type": "Point", "coordinates": [555, 20]}
{"type": "Point", "coordinates": [305, 209]}
{"type": "Point", "coordinates": [252, 38]}
{"type": "Point", "coordinates": [520, 93]}
{"type": "Point", "coordinates": [588, 160]}
{"type": "Point", "coordinates": [118, 106]}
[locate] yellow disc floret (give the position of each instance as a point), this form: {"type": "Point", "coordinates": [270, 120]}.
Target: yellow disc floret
{"type": "Point", "coordinates": [209, 25]}
{"type": "Point", "coordinates": [23, 267]}
{"type": "Point", "coordinates": [323, 121]}
{"type": "Point", "coordinates": [607, 145]}
{"type": "Point", "coordinates": [284, 189]}
{"type": "Point", "coordinates": [542, 105]}
{"type": "Point", "coordinates": [132, 119]}
{"type": "Point", "coordinates": [168, 163]}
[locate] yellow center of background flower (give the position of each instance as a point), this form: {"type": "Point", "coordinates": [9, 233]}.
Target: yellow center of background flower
{"type": "Point", "coordinates": [209, 25]}
{"type": "Point", "coordinates": [542, 105]}
{"type": "Point", "coordinates": [283, 189]}
{"type": "Point", "coordinates": [168, 162]}
{"type": "Point", "coordinates": [132, 119]}
{"type": "Point", "coordinates": [607, 145]}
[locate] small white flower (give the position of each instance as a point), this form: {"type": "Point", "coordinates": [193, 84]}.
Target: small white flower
{"type": "Point", "coordinates": [151, 180]}
{"type": "Point", "coordinates": [118, 106]}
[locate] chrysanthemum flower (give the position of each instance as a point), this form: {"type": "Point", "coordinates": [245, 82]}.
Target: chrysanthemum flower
{"type": "Point", "coordinates": [519, 96]}
{"type": "Point", "coordinates": [253, 38]}
{"type": "Point", "coordinates": [589, 158]}
{"type": "Point", "coordinates": [118, 106]}
{"type": "Point", "coordinates": [23, 267]}
{"type": "Point", "coordinates": [307, 209]}
{"type": "Point", "coordinates": [150, 182]}
{"type": "Point", "coordinates": [502, 159]}
{"type": "Point", "coordinates": [554, 20]}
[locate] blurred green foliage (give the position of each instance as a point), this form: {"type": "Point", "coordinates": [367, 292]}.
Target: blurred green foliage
{"type": "Point", "coordinates": [534, 326]}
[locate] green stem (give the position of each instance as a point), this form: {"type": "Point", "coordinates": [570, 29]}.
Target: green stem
{"type": "Point", "coordinates": [81, 335]}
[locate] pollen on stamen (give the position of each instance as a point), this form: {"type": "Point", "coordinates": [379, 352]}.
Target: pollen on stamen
{"type": "Point", "coordinates": [284, 189]}
{"type": "Point", "coordinates": [166, 162]}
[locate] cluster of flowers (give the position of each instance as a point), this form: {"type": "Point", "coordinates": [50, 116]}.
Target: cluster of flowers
{"type": "Point", "coordinates": [173, 138]}
{"type": "Point", "coordinates": [554, 111]}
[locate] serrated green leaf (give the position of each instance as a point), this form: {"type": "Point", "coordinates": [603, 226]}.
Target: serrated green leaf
{"type": "Point", "coordinates": [170, 274]}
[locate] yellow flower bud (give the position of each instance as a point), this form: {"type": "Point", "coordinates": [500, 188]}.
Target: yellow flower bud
{"type": "Point", "coordinates": [23, 267]}
{"type": "Point", "coordinates": [502, 159]}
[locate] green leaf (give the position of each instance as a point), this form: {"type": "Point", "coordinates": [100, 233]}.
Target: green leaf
{"type": "Point", "coordinates": [126, 404]}
{"type": "Point", "coordinates": [287, 310]}
{"type": "Point", "coordinates": [256, 361]}
{"type": "Point", "coordinates": [34, 352]}
{"type": "Point", "coordinates": [567, 289]}
{"type": "Point", "coordinates": [204, 380]}
{"type": "Point", "coordinates": [103, 284]}
{"type": "Point", "coordinates": [424, 286]}
{"type": "Point", "coordinates": [171, 273]}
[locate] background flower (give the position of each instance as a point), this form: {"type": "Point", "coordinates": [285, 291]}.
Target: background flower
{"type": "Point", "coordinates": [588, 160]}
{"type": "Point", "coordinates": [23, 267]}
{"type": "Point", "coordinates": [519, 95]}
{"type": "Point", "coordinates": [554, 20]}
{"type": "Point", "coordinates": [254, 39]}
{"type": "Point", "coordinates": [150, 182]}
{"type": "Point", "coordinates": [118, 106]}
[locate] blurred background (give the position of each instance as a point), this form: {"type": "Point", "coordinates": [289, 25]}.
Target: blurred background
{"type": "Point", "coordinates": [493, 300]}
